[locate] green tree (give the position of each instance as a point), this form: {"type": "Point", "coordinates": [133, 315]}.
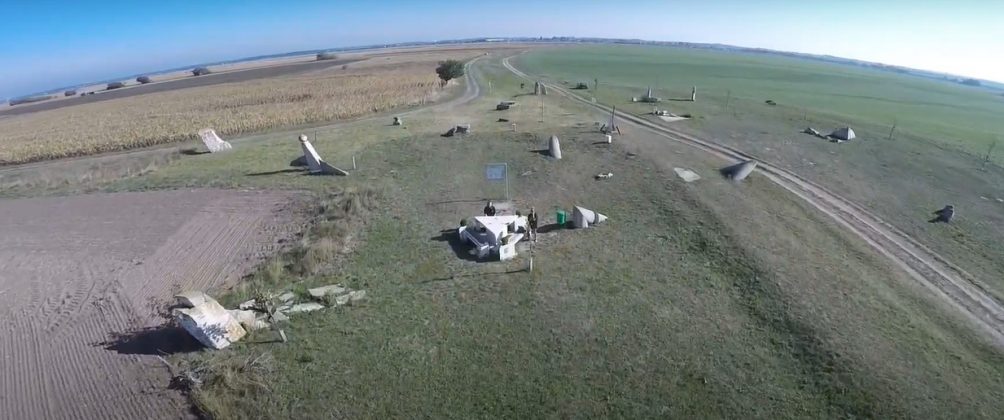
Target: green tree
{"type": "Point", "coordinates": [450, 69]}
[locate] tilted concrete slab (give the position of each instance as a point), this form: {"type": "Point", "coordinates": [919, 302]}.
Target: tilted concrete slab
{"type": "Point", "coordinates": [212, 141]}
{"type": "Point", "coordinates": [211, 325]}
{"type": "Point", "coordinates": [739, 171]}
{"type": "Point", "coordinates": [686, 174]}
{"type": "Point", "coordinates": [315, 164]}
{"type": "Point", "coordinates": [583, 217]}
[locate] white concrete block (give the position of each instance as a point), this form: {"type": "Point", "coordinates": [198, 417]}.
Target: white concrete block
{"type": "Point", "coordinates": [686, 174]}
{"type": "Point", "coordinates": [357, 295]}
{"type": "Point", "coordinates": [507, 252]}
{"type": "Point", "coordinates": [554, 147]}
{"type": "Point", "coordinates": [320, 292]}
{"type": "Point", "coordinates": [314, 162]}
{"type": "Point", "coordinates": [212, 141]}
{"type": "Point", "coordinates": [305, 307]}
{"type": "Point", "coordinates": [211, 324]}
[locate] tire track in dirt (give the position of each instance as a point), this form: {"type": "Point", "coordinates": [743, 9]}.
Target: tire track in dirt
{"type": "Point", "coordinates": [954, 285]}
{"type": "Point", "coordinates": [77, 271]}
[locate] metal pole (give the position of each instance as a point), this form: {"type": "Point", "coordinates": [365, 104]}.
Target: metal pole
{"type": "Point", "coordinates": [353, 162]}
{"type": "Point", "coordinates": [507, 181]}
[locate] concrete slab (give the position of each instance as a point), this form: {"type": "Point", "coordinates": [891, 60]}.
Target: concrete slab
{"type": "Point", "coordinates": [686, 174]}
{"type": "Point", "coordinates": [305, 307]}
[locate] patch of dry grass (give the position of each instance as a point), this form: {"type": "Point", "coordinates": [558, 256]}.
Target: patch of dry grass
{"type": "Point", "coordinates": [230, 109]}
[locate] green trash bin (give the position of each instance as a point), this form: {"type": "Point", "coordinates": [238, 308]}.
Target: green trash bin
{"type": "Point", "coordinates": [561, 216]}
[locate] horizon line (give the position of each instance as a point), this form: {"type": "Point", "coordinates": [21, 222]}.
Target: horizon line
{"type": "Point", "coordinates": [488, 39]}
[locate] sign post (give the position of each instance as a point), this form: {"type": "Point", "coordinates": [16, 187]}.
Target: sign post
{"type": "Point", "coordinates": [498, 172]}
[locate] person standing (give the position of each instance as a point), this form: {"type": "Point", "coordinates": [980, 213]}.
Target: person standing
{"type": "Point", "coordinates": [489, 209]}
{"type": "Point", "coordinates": [531, 221]}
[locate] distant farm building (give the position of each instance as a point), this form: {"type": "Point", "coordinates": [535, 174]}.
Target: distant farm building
{"type": "Point", "coordinates": [115, 85]}
{"type": "Point", "coordinates": [200, 71]}
{"type": "Point", "coordinates": [70, 93]}
{"type": "Point", "coordinates": [326, 56]}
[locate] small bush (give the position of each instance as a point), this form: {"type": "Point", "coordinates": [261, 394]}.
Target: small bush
{"type": "Point", "coordinates": [450, 69]}
{"type": "Point", "coordinates": [143, 79]}
{"type": "Point", "coordinates": [326, 56]}
{"type": "Point", "coordinates": [220, 382]}
{"type": "Point", "coordinates": [201, 71]}
{"type": "Point", "coordinates": [115, 85]}
{"type": "Point", "coordinates": [70, 93]}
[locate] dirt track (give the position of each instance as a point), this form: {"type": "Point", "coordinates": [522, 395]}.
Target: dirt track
{"type": "Point", "coordinates": [77, 272]}
{"type": "Point", "coordinates": [958, 288]}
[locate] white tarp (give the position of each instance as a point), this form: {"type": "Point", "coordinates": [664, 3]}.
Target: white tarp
{"type": "Point", "coordinates": [211, 324]}
{"type": "Point", "coordinates": [314, 162]}
{"type": "Point", "coordinates": [212, 141]}
{"type": "Point", "coordinates": [583, 217]}
{"type": "Point", "coordinates": [554, 147]}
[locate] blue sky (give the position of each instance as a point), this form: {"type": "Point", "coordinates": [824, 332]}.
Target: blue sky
{"type": "Point", "coordinates": [47, 44]}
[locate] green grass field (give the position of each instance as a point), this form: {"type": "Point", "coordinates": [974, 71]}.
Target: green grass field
{"type": "Point", "coordinates": [955, 115]}
{"type": "Point", "coordinates": [903, 180]}
{"type": "Point", "coordinates": [694, 300]}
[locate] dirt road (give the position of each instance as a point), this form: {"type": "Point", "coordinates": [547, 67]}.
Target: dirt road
{"type": "Point", "coordinates": [78, 280]}
{"type": "Point", "coordinates": [958, 288]}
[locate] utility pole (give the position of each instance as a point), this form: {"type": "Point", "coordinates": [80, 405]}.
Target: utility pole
{"type": "Point", "coordinates": [728, 97]}
{"type": "Point", "coordinates": [892, 130]}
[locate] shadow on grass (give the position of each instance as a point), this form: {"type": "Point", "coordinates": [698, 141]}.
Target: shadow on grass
{"type": "Point", "coordinates": [603, 142]}
{"type": "Point", "coordinates": [281, 171]}
{"type": "Point", "coordinates": [474, 200]}
{"type": "Point", "coordinates": [542, 152]}
{"type": "Point", "coordinates": [461, 276]}
{"type": "Point", "coordinates": [550, 228]}
{"type": "Point", "coordinates": [462, 250]}
{"type": "Point", "coordinates": [193, 152]}
{"type": "Point", "coordinates": [167, 339]}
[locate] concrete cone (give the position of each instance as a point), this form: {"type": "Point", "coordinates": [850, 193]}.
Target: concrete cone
{"type": "Point", "coordinates": [554, 147]}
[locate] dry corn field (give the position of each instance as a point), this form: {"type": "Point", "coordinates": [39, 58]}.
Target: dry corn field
{"type": "Point", "coordinates": [230, 109]}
